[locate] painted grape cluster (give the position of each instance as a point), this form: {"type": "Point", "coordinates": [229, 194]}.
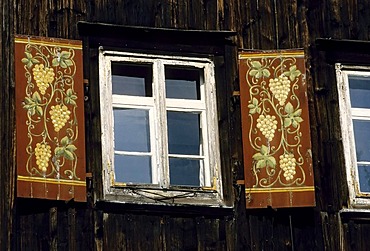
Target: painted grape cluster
{"type": "Point", "coordinates": [43, 154]}
{"type": "Point", "coordinates": [59, 116]}
{"type": "Point", "coordinates": [43, 76]}
{"type": "Point", "coordinates": [288, 163]}
{"type": "Point", "coordinates": [273, 98]}
{"type": "Point", "coordinates": [267, 125]}
{"type": "Point", "coordinates": [280, 88]}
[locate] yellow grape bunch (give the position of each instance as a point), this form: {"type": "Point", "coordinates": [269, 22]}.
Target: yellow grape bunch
{"type": "Point", "coordinates": [43, 76]}
{"type": "Point", "coordinates": [59, 116]}
{"type": "Point", "coordinates": [267, 125]}
{"type": "Point", "coordinates": [43, 155]}
{"type": "Point", "coordinates": [287, 164]}
{"type": "Point", "coordinates": [280, 88]}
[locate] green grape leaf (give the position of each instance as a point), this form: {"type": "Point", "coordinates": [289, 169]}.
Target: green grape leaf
{"type": "Point", "coordinates": [55, 62]}
{"type": "Point", "coordinates": [289, 108]}
{"type": "Point", "coordinates": [69, 92]}
{"type": "Point", "coordinates": [71, 148]}
{"type": "Point", "coordinates": [298, 119]}
{"type": "Point", "coordinates": [35, 61]}
{"type": "Point", "coordinates": [253, 110]}
{"type": "Point", "coordinates": [254, 106]}
{"type": "Point", "coordinates": [65, 54]}
{"type": "Point", "coordinates": [32, 104]}
{"type": "Point", "coordinates": [59, 151]}
{"type": "Point", "coordinates": [263, 158]}
{"type": "Point", "coordinates": [253, 72]}
{"type": "Point", "coordinates": [264, 150]}
{"type": "Point", "coordinates": [257, 156]}
{"type": "Point", "coordinates": [256, 64]}
{"type": "Point", "coordinates": [292, 73]}
{"type": "Point", "coordinates": [39, 110]}
{"type": "Point", "coordinates": [261, 164]}
{"type": "Point", "coordinates": [266, 73]}
{"type": "Point", "coordinates": [64, 141]}
{"type": "Point", "coordinates": [29, 101]}
{"type": "Point", "coordinates": [287, 122]}
{"type": "Point", "coordinates": [36, 97]}
{"type": "Point", "coordinates": [258, 70]}
{"type": "Point", "coordinates": [32, 110]}
{"type": "Point", "coordinates": [70, 98]}
{"type": "Point", "coordinates": [68, 62]}
{"type": "Point", "coordinates": [271, 162]}
{"type": "Point", "coordinates": [29, 60]}
{"type": "Point", "coordinates": [68, 155]}
{"type": "Point", "coordinates": [298, 112]}
{"type": "Point", "coordinates": [62, 64]}
{"type": "Point", "coordinates": [63, 60]}
{"type": "Point", "coordinates": [255, 101]}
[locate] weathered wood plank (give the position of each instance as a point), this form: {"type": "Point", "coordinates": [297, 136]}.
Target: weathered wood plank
{"type": "Point", "coordinates": [264, 24]}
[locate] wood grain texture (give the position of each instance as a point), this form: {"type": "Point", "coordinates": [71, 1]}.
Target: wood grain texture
{"type": "Point", "coordinates": [263, 24]}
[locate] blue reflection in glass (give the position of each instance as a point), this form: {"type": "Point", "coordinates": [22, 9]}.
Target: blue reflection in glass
{"type": "Point", "coordinates": [133, 169]}
{"type": "Point", "coordinates": [128, 86]}
{"type": "Point", "coordinates": [132, 79]}
{"type": "Point", "coordinates": [184, 172]}
{"type": "Point", "coordinates": [183, 133]}
{"type": "Point", "coordinates": [131, 130]}
{"type": "Point", "coordinates": [362, 139]}
{"type": "Point", "coordinates": [182, 83]}
{"type": "Point", "coordinates": [359, 91]}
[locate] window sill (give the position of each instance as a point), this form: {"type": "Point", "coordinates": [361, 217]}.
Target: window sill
{"type": "Point", "coordinates": [357, 214]}
{"type": "Point", "coordinates": [183, 209]}
{"type": "Point", "coordinates": [164, 197]}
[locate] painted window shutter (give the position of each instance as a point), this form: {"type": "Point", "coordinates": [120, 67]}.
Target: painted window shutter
{"type": "Point", "coordinates": [50, 119]}
{"type": "Point", "coordinates": [276, 129]}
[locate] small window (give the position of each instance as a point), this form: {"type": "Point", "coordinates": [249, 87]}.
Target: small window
{"type": "Point", "coordinates": [159, 128]}
{"type": "Point", "coordinates": [354, 93]}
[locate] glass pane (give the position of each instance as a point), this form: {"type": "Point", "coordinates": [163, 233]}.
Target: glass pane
{"type": "Point", "coordinates": [184, 172]}
{"type": "Point", "coordinates": [362, 135]}
{"type": "Point", "coordinates": [183, 83]}
{"type": "Point", "coordinates": [359, 89]}
{"type": "Point", "coordinates": [364, 177]}
{"type": "Point", "coordinates": [183, 133]}
{"type": "Point", "coordinates": [133, 169]}
{"type": "Point", "coordinates": [131, 130]}
{"type": "Point", "coordinates": [132, 79]}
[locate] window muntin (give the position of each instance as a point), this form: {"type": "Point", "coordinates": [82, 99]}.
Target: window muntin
{"type": "Point", "coordinates": [180, 148]}
{"type": "Point", "coordinates": [354, 101]}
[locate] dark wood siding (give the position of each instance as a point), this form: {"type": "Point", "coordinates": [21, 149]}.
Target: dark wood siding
{"type": "Point", "coordinates": [264, 24]}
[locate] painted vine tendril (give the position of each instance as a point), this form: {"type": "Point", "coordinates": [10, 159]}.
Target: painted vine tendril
{"type": "Point", "coordinates": [275, 115]}
{"type": "Point", "coordinates": [51, 105]}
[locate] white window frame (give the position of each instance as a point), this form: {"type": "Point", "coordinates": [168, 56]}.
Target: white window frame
{"type": "Point", "coordinates": [210, 190]}
{"type": "Point", "coordinates": [347, 114]}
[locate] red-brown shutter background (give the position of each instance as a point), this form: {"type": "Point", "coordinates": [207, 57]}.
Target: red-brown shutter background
{"type": "Point", "coordinates": [63, 177]}
{"type": "Point", "coordinates": [267, 181]}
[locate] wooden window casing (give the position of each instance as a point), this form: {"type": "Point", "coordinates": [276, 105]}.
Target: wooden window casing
{"type": "Point", "coordinates": [159, 189]}
{"type": "Point", "coordinates": [349, 114]}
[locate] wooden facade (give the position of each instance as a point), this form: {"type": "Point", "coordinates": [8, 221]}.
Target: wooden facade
{"type": "Point", "coordinates": [37, 224]}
